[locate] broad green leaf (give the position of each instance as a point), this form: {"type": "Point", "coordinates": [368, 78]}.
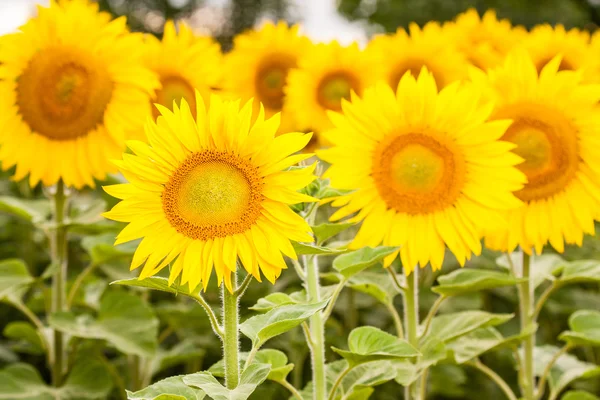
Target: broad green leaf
{"type": "Point", "coordinates": [361, 393]}
{"type": "Point", "coordinates": [580, 271]}
{"type": "Point", "coordinates": [34, 211]}
{"type": "Point", "coordinates": [7, 355]}
{"type": "Point", "coordinates": [466, 280]}
{"type": "Point", "coordinates": [363, 376]}
{"type": "Point", "coordinates": [14, 275]}
{"type": "Point", "coordinates": [447, 381]}
{"type": "Point", "coordinates": [406, 372]}
{"type": "Point", "coordinates": [279, 320]}
{"type": "Point", "coordinates": [368, 343]}
{"type": "Point", "coordinates": [29, 339]}
{"type": "Point", "coordinates": [156, 283]}
{"type": "Point", "coordinates": [375, 284]}
{"type": "Point", "coordinates": [171, 388]}
{"type": "Point", "coordinates": [543, 267]}
{"type": "Point", "coordinates": [447, 327]}
{"type": "Point", "coordinates": [250, 379]}
{"type": "Point", "coordinates": [328, 230]}
{"type": "Point", "coordinates": [101, 248]}
{"type": "Point", "coordinates": [88, 381]}
{"type": "Point", "coordinates": [308, 248]}
{"type": "Point", "coordinates": [325, 293]}
{"type": "Point", "coordinates": [278, 362]}
{"type": "Point", "coordinates": [579, 395]}
{"type": "Point", "coordinates": [585, 329]}
{"type": "Point", "coordinates": [566, 369]}
{"type": "Point", "coordinates": [352, 263]}
{"type": "Point", "coordinates": [182, 352]}
{"type": "Point", "coordinates": [124, 320]}
{"type": "Point", "coordinates": [271, 301]}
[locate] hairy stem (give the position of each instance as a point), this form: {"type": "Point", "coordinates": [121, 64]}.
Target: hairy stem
{"type": "Point", "coordinates": [397, 320]}
{"type": "Point", "coordinates": [411, 319]}
{"type": "Point", "coordinates": [526, 311]}
{"type": "Point", "coordinates": [231, 339]}
{"type": "Point", "coordinates": [338, 381]}
{"type": "Point", "coordinates": [432, 312]}
{"type": "Point", "coordinates": [542, 384]}
{"type": "Point", "coordinates": [316, 329]}
{"type": "Point", "coordinates": [495, 377]}
{"type": "Point", "coordinates": [77, 284]}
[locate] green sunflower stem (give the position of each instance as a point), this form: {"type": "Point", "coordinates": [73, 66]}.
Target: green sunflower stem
{"type": "Point", "coordinates": [526, 312]}
{"type": "Point", "coordinates": [411, 318]}
{"type": "Point", "coordinates": [231, 336]}
{"type": "Point", "coordinates": [58, 250]}
{"type": "Point", "coordinates": [317, 329]}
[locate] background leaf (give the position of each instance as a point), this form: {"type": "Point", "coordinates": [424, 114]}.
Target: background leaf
{"type": "Point", "coordinates": [171, 388]}
{"type": "Point", "coordinates": [253, 376]}
{"type": "Point", "coordinates": [352, 263]}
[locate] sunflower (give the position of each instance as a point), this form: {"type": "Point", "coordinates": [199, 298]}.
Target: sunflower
{"type": "Point", "coordinates": [323, 78]}
{"type": "Point", "coordinates": [208, 190]}
{"type": "Point", "coordinates": [259, 64]}
{"type": "Point", "coordinates": [555, 128]}
{"type": "Point", "coordinates": [546, 42]}
{"type": "Point", "coordinates": [426, 168]}
{"type": "Point", "coordinates": [429, 47]}
{"type": "Point", "coordinates": [72, 85]}
{"type": "Point", "coordinates": [184, 63]}
{"type": "Point", "coordinates": [485, 41]}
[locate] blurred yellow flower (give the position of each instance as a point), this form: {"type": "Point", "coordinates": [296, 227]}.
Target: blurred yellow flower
{"type": "Point", "coordinates": [427, 169]}
{"type": "Point", "coordinates": [555, 128]}
{"type": "Point", "coordinates": [72, 85]}
{"type": "Point", "coordinates": [210, 189]}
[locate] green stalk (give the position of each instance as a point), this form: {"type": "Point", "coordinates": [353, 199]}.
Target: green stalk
{"type": "Point", "coordinates": [58, 252]}
{"type": "Point", "coordinates": [411, 318]}
{"type": "Point", "coordinates": [526, 311]}
{"type": "Point", "coordinates": [317, 329]}
{"type": "Point", "coordinates": [231, 337]}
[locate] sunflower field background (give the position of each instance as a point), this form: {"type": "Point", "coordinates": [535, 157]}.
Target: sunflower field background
{"type": "Point", "coordinates": [218, 200]}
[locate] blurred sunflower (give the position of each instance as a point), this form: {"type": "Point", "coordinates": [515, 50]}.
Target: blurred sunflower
{"type": "Point", "coordinates": [323, 78]}
{"type": "Point", "coordinates": [421, 163]}
{"type": "Point", "coordinates": [184, 62]}
{"type": "Point", "coordinates": [555, 128]}
{"type": "Point", "coordinates": [485, 41]}
{"type": "Point", "coordinates": [72, 85]}
{"type": "Point", "coordinates": [208, 190]}
{"type": "Point", "coordinates": [394, 55]}
{"type": "Point", "coordinates": [259, 64]}
{"type": "Point", "coordinates": [546, 42]}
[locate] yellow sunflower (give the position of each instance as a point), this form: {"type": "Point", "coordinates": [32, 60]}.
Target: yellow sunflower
{"type": "Point", "coordinates": [210, 189]}
{"type": "Point", "coordinates": [485, 41]}
{"type": "Point", "coordinates": [323, 78]}
{"type": "Point", "coordinates": [429, 47]}
{"type": "Point", "coordinates": [555, 128]}
{"type": "Point", "coordinates": [184, 63]}
{"type": "Point", "coordinates": [426, 167]}
{"type": "Point", "coordinates": [259, 64]}
{"type": "Point", "coordinates": [546, 42]}
{"type": "Point", "coordinates": [72, 85]}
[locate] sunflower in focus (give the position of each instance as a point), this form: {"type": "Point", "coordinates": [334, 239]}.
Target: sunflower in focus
{"type": "Point", "coordinates": [555, 128]}
{"type": "Point", "coordinates": [207, 190]}
{"type": "Point", "coordinates": [404, 51]}
{"type": "Point", "coordinates": [324, 77]}
{"type": "Point", "coordinates": [545, 42]}
{"type": "Point", "coordinates": [485, 41]}
{"type": "Point", "coordinates": [184, 63]}
{"type": "Point", "coordinates": [259, 64]}
{"type": "Point", "coordinates": [420, 164]}
{"type": "Point", "coordinates": [72, 86]}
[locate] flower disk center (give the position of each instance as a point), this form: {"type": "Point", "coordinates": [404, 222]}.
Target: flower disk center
{"type": "Point", "coordinates": [213, 194]}
{"type": "Point", "coordinates": [174, 88]}
{"type": "Point", "coordinates": [271, 79]}
{"type": "Point", "coordinates": [335, 87]}
{"type": "Point", "coordinates": [415, 173]}
{"type": "Point", "coordinates": [63, 93]}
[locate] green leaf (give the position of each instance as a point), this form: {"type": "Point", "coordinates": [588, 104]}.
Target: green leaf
{"type": "Point", "coordinates": [34, 211]}
{"type": "Point", "coordinates": [88, 381]}
{"type": "Point", "coordinates": [579, 395]}
{"type": "Point", "coordinates": [352, 263]}
{"type": "Point", "coordinates": [447, 327]}
{"type": "Point", "coordinates": [278, 362]}
{"type": "Point", "coordinates": [328, 192]}
{"type": "Point", "coordinates": [466, 280]}
{"type": "Point", "coordinates": [328, 230]}
{"type": "Point", "coordinates": [363, 376]}
{"type": "Point", "coordinates": [566, 369]}
{"type": "Point", "coordinates": [368, 343]}
{"type": "Point", "coordinates": [309, 248]}
{"type": "Point", "coordinates": [101, 248]}
{"type": "Point", "coordinates": [157, 283]}
{"type": "Point", "coordinates": [376, 285]}
{"type": "Point", "coordinates": [580, 271]}
{"type": "Point", "coordinates": [405, 372]}
{"type": "Point", "coordinates": [29, 338]}
{"type": "Point", "coordinates": [271, 301]}
{"type": "Point", "coordinates": [124, 320]}
{"type": "Point", "coordinates": [279, 320]}
{"type": "Point", "coordinates": [433, 351]}
{"type": "Point", "coordinates": [14, 275]}
{"type": "Point", "coordinates": [184, 351]}
{"type": "Point", "coordinates": [171, 388]}
{"type": "Point", "coordinates": [585, 329]}
{"type": "Point", "coordinates": [251, 378]}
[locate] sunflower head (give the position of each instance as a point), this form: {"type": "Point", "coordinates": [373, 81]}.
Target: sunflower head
{"type": "Point", "coordinates": [325, 77]}
{"type": "Point", "coordinates": [555, 118]}
{"type": "Point", "coordinates": [210, 187]}
{"type": "Point", "coordinates": [420, 168]}
{"type": "Point", "coordinates": [72, 85]}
